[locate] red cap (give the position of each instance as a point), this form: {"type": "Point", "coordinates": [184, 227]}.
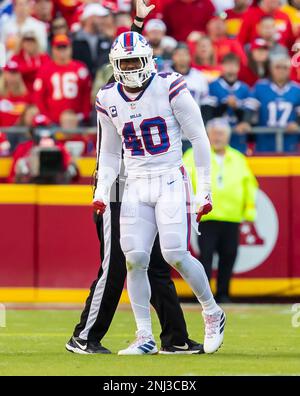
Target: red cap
{"type": "Point", "coordinates": [40, 120]}
{"type": "Point", "coordinates": [12, 66]}
{"type": "Point", "coordinates": [60, 39]}
{"type": "Point", "coordinates": [258, 43]}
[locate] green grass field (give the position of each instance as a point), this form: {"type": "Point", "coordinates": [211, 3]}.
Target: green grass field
{"type": "Point", "coordinates": [259, 340]}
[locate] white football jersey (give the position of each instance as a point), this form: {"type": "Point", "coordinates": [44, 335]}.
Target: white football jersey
{"type": "Point", "coordinates": [196, 82]}
{"type": "Point", "coordinates": [150, 132]}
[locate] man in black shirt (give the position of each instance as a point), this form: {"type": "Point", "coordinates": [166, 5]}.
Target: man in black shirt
{"type": "Point", "coordinates": [90, 44]}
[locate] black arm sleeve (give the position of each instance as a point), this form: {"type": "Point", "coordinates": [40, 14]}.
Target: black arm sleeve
{"type": "Point", "coordinates": [135, 28]}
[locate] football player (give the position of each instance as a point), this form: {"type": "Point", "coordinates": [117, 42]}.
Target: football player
{"type": "Point", "coordinates": [144, 113]}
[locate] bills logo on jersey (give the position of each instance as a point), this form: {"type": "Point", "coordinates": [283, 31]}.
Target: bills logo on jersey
{"type": "Point", "coordinates": [113, 111]}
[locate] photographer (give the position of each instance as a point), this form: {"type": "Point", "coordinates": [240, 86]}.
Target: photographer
{"type": "Point", "coordinates": [41, 159]}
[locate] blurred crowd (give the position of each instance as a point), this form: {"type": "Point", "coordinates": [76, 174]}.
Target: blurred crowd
{"type": "Point", "coordinates": [240, 59]}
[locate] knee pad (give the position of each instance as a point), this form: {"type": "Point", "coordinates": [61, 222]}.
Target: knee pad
{"type": "Point", "coordinates": [137, 260]}
{"type": "Point", "coordinates": [175, 257]}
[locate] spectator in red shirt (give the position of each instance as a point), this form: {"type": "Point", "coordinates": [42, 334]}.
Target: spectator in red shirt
{"type": "Point", "coordinates": [63, 84]}
{"type": "Point", "coordinates": [258, 63]}
{"type": "Point", "coordinates": [184, 16]}
{"type": "Point", "coordinates": [204, 59]}
{"type": "Point", "coordinates": [266, 29]}
{"type": "Point", "coordinates": [13, 95]}
{"type": "Point", "coordinates": [216, 29]}
{"type": "Point", "coordinates": [252, 17]}
{"type": "Point", "coordinates": [235, 17]}
{"type": "Point", "coordinates": [70, 10]}
{"type": "Point", "coordinates": [29, 58]}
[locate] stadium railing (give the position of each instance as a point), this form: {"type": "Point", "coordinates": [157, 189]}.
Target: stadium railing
{"type": "Point", "coordinates": [278, 132]}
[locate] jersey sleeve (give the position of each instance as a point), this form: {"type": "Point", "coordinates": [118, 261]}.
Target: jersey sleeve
{"type": "Point", "coordinates": [100, 103]}
{"type": "Point", "coordinates": [189, 117]}
{"type": "Point", "coordinates": [109, 147]}
{"type": "Point", "coordinates": [177, 85]}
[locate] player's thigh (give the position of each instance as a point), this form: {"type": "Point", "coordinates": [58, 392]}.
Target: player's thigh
{"type": "Point", "coordinates": [137, 224]}
{"type": "Point", "coordinates": [173, 217]}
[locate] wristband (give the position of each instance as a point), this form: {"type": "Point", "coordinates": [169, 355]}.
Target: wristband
{"type": "Point", "coordinates": [139, 19]}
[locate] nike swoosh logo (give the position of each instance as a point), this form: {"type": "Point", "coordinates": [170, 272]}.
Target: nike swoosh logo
{"type": "Point", "coordinates": [171, 182]}
{"type": "Point", "coordinates": [185, 347]}
{"type": "Point", "coordinates": [83, 347]}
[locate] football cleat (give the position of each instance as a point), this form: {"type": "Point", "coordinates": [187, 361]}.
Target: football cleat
{"type": "Point", "coordinates": [83, 347]}
{"type": "Point", "coordinates": [143, 345]}
{"type": "Point", "coordinates": [189, 348]}
{"type": "Point", "coordinates": [214, 331]}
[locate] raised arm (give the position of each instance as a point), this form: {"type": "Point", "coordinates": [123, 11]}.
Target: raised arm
{"type": "Point", "coordinates": [142, 11]}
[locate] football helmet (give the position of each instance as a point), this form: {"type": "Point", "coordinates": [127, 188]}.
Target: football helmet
{"type": "Point", "coordinates": [131, 45]}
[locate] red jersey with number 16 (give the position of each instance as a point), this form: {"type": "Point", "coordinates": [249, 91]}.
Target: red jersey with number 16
{"type": "Point", "coordinates": [63, 87]}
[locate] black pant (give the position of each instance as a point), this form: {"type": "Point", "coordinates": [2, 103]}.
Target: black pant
{"type": "Point", "coordinates": [106, 290]}
{"type": "Point", "coordinates": [220, 237]}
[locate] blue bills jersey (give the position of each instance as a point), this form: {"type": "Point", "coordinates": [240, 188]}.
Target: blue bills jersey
{"type": "Point", "coordinates": [276, 107]}
{"type": "Point", "coordinates": [220, 90]}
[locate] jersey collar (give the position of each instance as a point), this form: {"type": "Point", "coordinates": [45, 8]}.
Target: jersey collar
{"type": "Point", "coordinates": [279, 90]}
{"type": "Point", "coordinates": [126, 98]}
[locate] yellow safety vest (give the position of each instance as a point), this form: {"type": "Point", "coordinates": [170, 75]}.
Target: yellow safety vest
{"type": "Point", "coordinates": [234, 186]}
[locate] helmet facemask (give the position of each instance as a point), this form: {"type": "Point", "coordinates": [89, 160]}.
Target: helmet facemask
{"type": "Point", "coordinates": [132, 46]}
{"type": "Point", "coordinates": [137, 77]}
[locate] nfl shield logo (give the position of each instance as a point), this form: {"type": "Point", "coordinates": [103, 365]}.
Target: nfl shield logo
{"type": "Point", "coordinates": [113, 111]}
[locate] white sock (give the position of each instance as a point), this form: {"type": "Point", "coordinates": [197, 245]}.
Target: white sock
{"type": "Point", "coordinates": [194, 274]}
{"type": "Point", "coordinates": [144, 325]}
{"type": "Point", "coordinates": [210, 306]}
{"type": "Point", "coordinates": [139, 292]}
